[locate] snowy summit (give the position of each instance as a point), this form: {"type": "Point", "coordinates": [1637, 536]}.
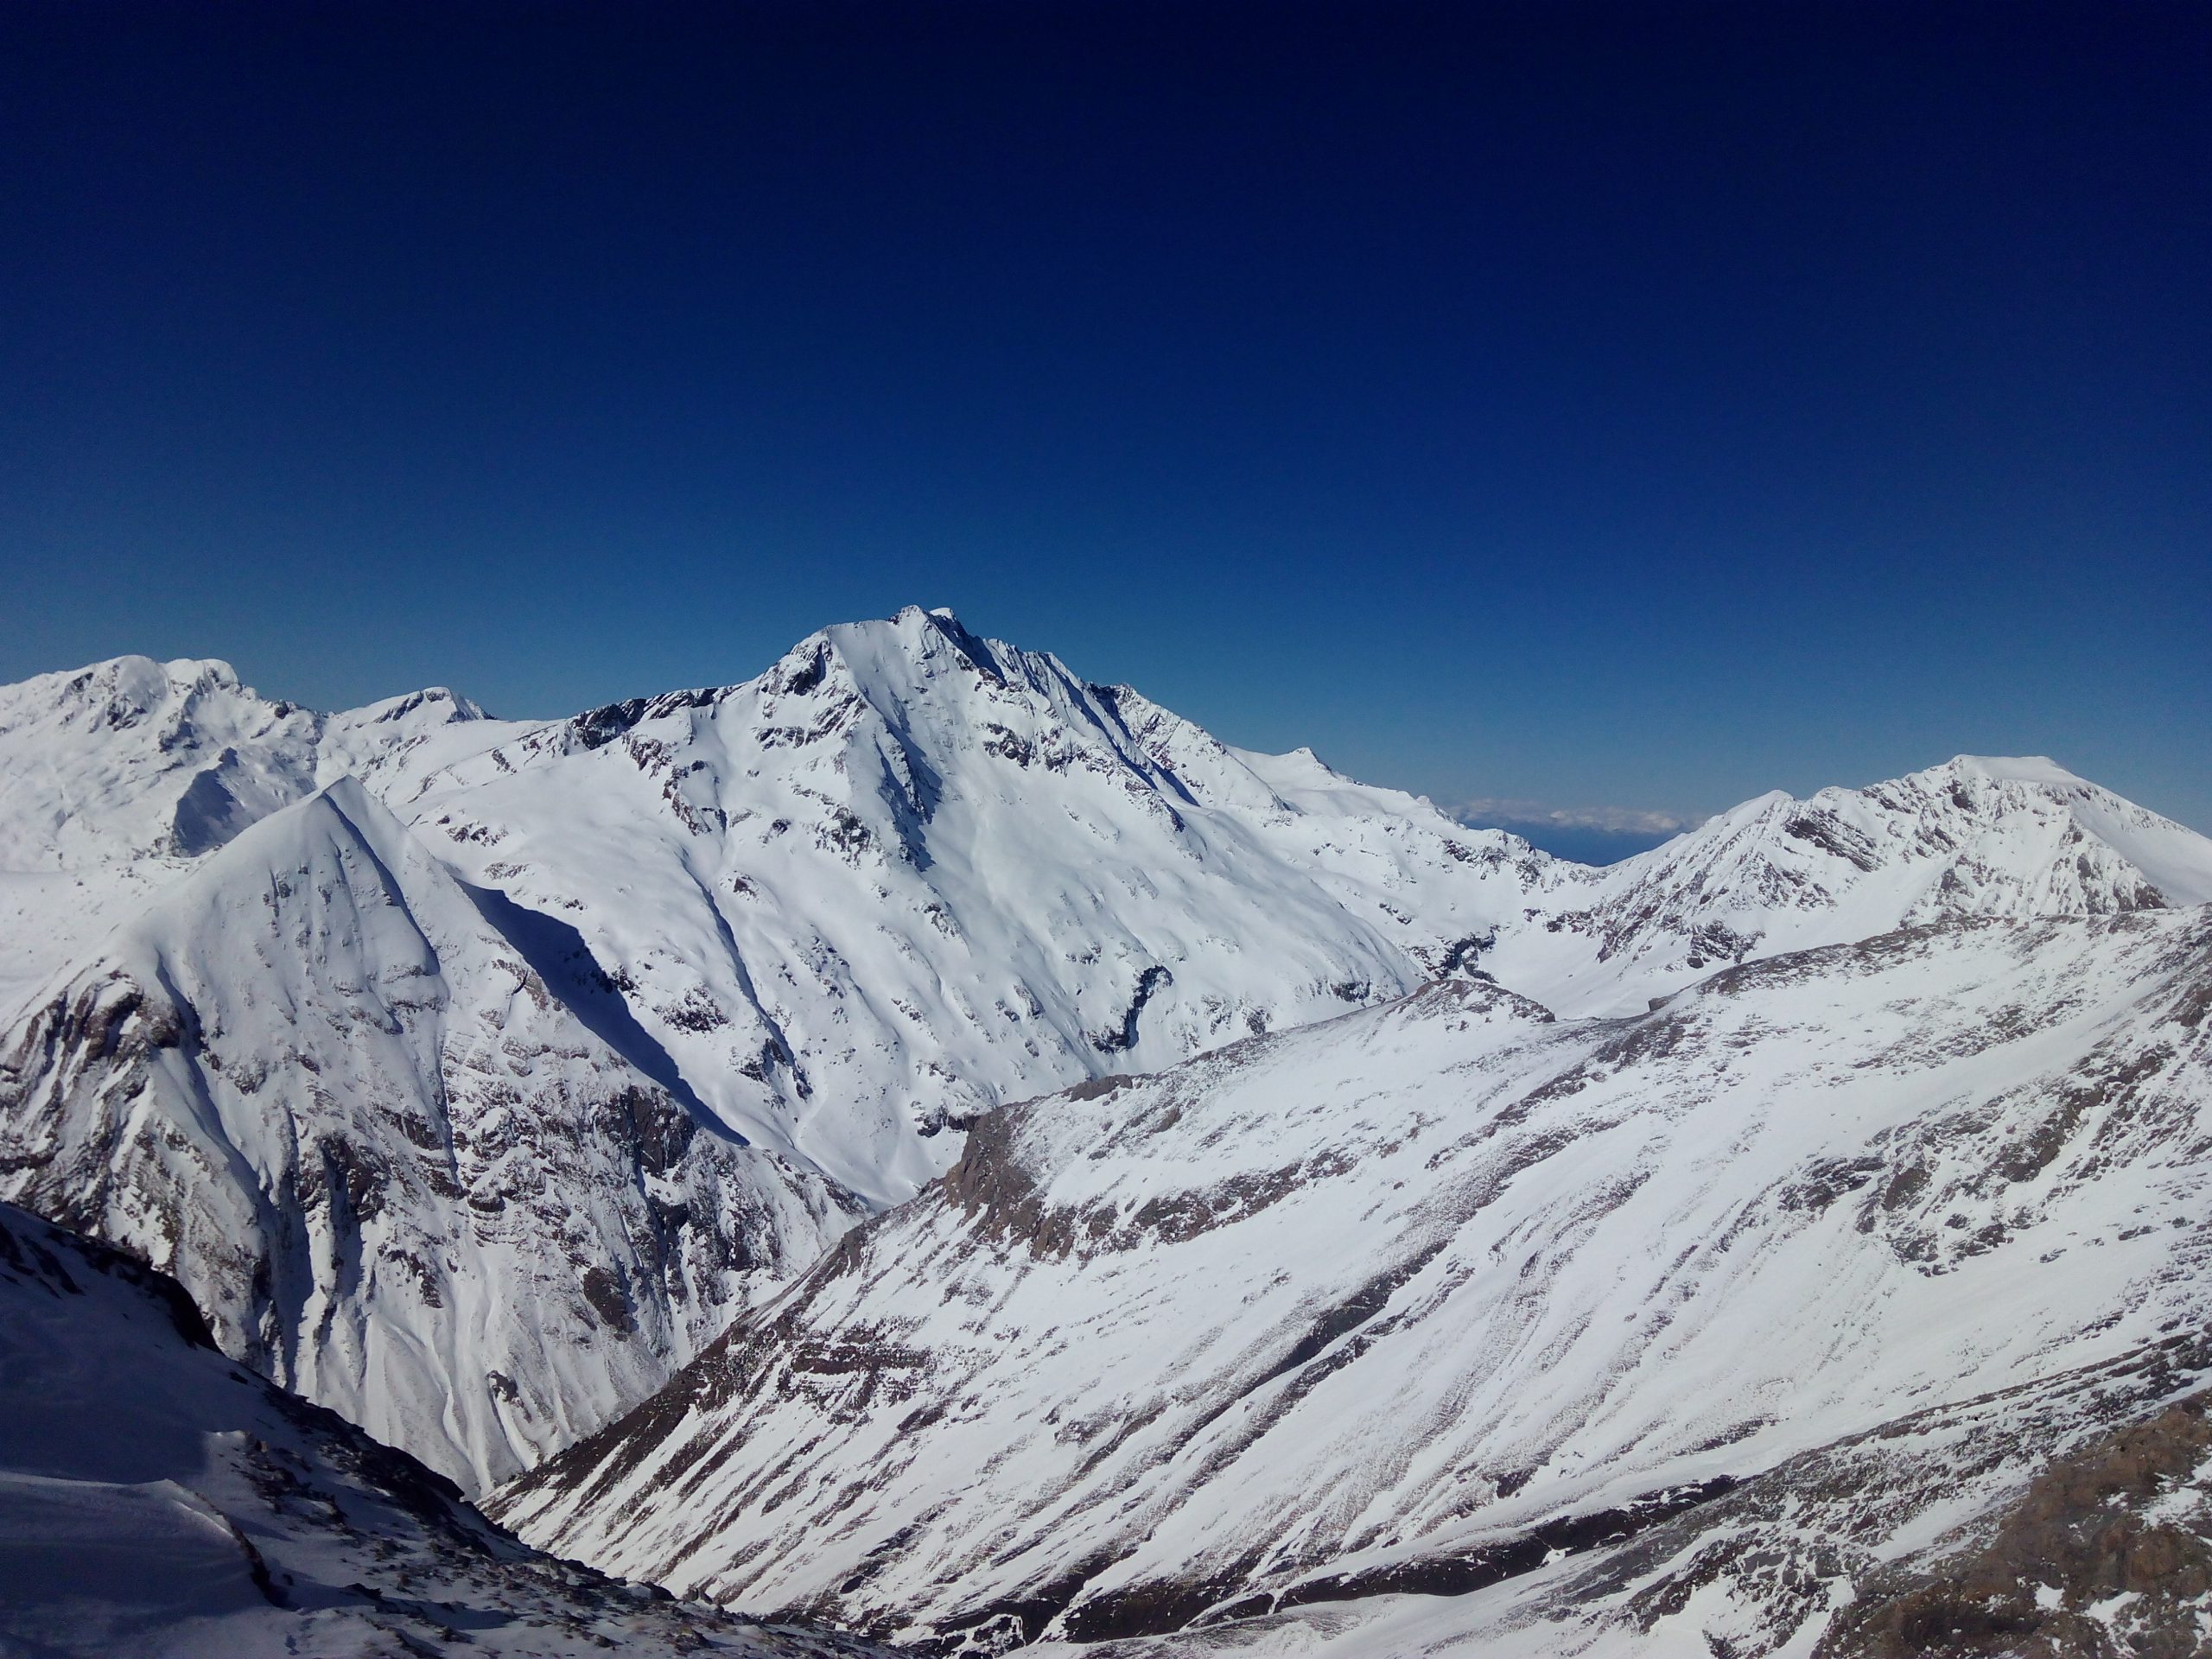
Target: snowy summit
{"type": "Point", "coordinates": [922, 1140]}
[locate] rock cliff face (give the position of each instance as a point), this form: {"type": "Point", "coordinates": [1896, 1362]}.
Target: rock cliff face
{"type": "Point", "coordinates": [157, 1499]}
{"type": "Point", "coordinates": [1427, 1298]}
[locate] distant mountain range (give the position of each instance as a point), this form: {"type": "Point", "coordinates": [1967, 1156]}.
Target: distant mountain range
{"type": "Point", "coordinates": [639, 1087]}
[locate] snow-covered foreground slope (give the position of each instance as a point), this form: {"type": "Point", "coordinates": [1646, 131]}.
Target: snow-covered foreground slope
{"type": "Point", "coordinates": [1343, 1310]}
{"type": "Point", "coordinates": [2068, 1517]}
{"type": "Point", "coordinates": [157, 1500]}
{"type": "Point", "coordinates": [397, 1139]}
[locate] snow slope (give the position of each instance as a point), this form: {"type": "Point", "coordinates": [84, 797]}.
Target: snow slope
{"type": "Point", "coordinates": [426, 1080]}
{"type": "Point", "coordinates": [2068, 1516]}
{"type": "Point", "coordinates": [1343, 1310]}
{"type": "Point", "coordinates": [393, 1136]}
{"type": "Point", "coordinates": [908, 874]}
{"type": "Point", "coordinates": [158, 1501]}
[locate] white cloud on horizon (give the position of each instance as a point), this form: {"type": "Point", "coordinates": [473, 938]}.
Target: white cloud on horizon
{"type": "Point", "coordinates": [1486, 812]}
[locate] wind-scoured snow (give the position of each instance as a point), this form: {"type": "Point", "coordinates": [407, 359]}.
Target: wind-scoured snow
{"type": "Point", "coordinates": [1363, 1306]}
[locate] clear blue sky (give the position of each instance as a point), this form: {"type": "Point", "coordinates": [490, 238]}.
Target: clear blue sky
{"type": "Point", "coordinates": [1632, 406]}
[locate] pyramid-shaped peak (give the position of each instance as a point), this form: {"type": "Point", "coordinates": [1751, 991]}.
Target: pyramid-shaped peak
{"type": "Point", "coordinates": [433, 701]}
{"type": "Point", "coordinates": [918, 622]}
{"type": "Point", "coordinates": [910, 624]}
{"type": "Point", "coordinates": [911, 637]}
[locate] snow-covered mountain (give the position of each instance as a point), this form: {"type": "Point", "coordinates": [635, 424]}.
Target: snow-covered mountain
{"type": "Point", "coordinates": [474, 1128]}
{"type": "Point", "coordinates": [157, 1500]}
{"type": "Point", "coordinates": [904, 874]}
{"type": "Point", "coordinates": [114, 780]}
{"type": "Point", "coordinates": [1976, 837]}
{"type": "Point", "coordinates": [1416, 1299]}
{"type": "Point", "coordinates": [397, 1139]}
{"type": "Point", "coordinates": [908, 874]}
{"type": "Point", "coordinates": [474, 1073]}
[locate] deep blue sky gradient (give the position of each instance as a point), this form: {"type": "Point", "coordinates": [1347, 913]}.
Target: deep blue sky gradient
{"type": "Point", "coordinates": [1632, 405]}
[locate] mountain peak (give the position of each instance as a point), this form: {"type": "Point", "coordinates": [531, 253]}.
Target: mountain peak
{"type": "Point", "coordinates": [437, 699]}
{"type": "Point", "coordinates": [912, 624]}
{"type": "Point", "coordinates": [2013, 769]}
{"type": "Point", "coordinates": [891, 652]}
{"type": "Point", "coordinates": [132, 683]}
{"type": "Point", "coordinates": [202, 672]}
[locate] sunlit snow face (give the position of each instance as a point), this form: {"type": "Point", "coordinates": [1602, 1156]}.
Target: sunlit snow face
{"type": "Point", "coordinates": [562, 1043]}
{"type": "Point", "coordinates": [1385, 1288]}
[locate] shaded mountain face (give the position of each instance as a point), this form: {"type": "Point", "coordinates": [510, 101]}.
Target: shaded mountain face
{"type": "Point", "coordinates": [155, 1499]}
{"type": "Point", "coordinates": [475, 1073]}
{"type": "Point", "coordinates": [396, 1140]}
{"type": "Point", "coordinates": [1410, 1300]}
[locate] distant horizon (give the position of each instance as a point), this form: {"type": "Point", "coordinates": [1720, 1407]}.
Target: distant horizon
{"type": "Point", "coordinates": [1594, 408]}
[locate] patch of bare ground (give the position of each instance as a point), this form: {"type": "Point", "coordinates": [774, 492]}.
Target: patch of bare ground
{"type": "Point", "coordinates": [2108, 1553]}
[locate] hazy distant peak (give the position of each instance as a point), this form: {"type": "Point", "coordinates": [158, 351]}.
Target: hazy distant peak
{"type": "Point", "coordinates": [440, 699]}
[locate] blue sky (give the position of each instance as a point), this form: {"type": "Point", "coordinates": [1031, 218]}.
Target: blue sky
{"type": "Point", "coordinates": [1614, 409]}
